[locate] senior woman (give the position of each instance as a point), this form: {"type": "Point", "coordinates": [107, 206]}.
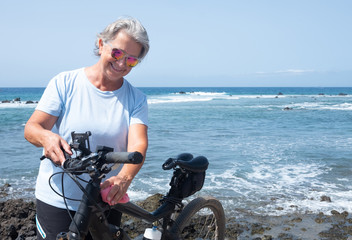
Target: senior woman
{"type": "Point", "coordinates": [97, 99]}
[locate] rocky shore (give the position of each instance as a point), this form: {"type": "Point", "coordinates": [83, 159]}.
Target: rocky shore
{"type": "Point", "coordinates": [17, 222]}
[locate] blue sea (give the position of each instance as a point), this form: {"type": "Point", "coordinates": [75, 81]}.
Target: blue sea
{"type": "Point", "coordinates": [272, 151]}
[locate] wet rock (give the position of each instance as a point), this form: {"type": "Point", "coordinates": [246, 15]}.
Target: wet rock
{"type": "Point", "coordinates": [17, 222]}
{"type": "Point", "coordinates": [325, 199]}
{"type": "Point", "coordinates": [334, 233]}
{"type": "Point", "coordinates": [297, 220]}
{"type": "Point", "coordinates": [4, 190]}
{"type": "Point", "coordinates": [319, 220]}
{"type": "Point", "coordinates": [344, 214]}
{"type": "Point", "coordinates": [334, 212]}
{"type": "Point", "coordinates": [285, 236]}
{"type": "Point", "coordinates": [257, 229]}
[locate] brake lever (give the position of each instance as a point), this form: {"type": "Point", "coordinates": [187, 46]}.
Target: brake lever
{"type": "Point", "coordinates": [66, 155]}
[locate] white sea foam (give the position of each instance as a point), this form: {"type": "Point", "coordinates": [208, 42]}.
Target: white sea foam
{"type": "Point", "coordinates": [202, 97]}
{"type": "Point", "coordinates": [287, 187]}
{"type": "Point", "coordinates": [185, 97]}
{"type": "Point", "coordinates": [319, 106]}
{"type": "Point", "coordinates": [206, 93]}
{"type": "Point", "coordinates": [18, 104]}
{"type": "Point", "coordinates": [343, 106]}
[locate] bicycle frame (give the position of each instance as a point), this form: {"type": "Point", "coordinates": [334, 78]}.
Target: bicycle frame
{"type": "Point", "coordinates": [91, 218]}
{"type": "Point", "coordinates": [91, 214]}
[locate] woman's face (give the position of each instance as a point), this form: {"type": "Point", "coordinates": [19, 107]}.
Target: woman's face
{"type": "Point", "coordinates": [116, 69]}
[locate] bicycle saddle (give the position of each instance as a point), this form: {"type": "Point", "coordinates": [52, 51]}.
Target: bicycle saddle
{"type": "Point", "coordinates": [186, 161]}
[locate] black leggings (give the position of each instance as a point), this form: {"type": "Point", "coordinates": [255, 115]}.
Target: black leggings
{"type": "Point", "coordinates": [52, 220]}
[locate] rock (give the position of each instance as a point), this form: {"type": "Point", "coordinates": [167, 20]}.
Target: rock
{"type": "Point", "coordinates": [4, 190]}
{"type": "Point", "coordinates": [334, 212]}
{"type": "Point", "coordinates": [285, 236]}
{"type": "Point", "coordinates": [29, 102]}
{"type": "Point", "coordinates": [280, 93]}
{"type": "Point", "coordinates": [344, 214]}
{"type": "Point", "coordinates": [267, 237]}
{"type": "Point", "coordinates": [135, 227]}
{"type": "Point", "coordinates": [287, 108]}
{"type": "Point", "coordinates": [12, 232]}
{"type": "Point", "coordinates": [342, 94]}
{"type": "Point", "coordinates": [17, 220]}
{"type": "Point", "coordinates": [5, 101]}
{"type": "Point", "coordinates": [325, 199]}
{"type": "Point", "coordinates": [298, 219]}
{"type": "Point", "coordinates": [257, 229]}
{"type": "Point", "coordinates": [17, 99]}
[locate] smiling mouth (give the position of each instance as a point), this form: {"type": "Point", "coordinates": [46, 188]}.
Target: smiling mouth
{"type": "Point", "coordinates": [115, 69]}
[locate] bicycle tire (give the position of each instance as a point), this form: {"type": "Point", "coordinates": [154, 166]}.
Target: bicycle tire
{"type": "Point", "coordinates": [202, 218]}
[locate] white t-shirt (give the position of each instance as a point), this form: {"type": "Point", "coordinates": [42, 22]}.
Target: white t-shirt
{"type": "Point", "coordinates": [82, 107]}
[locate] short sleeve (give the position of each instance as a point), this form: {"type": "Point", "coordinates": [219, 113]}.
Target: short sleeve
{"type": "Point", "coordinates": [140, 112]}
{"type": "Point", "coordinates": [51, 100]}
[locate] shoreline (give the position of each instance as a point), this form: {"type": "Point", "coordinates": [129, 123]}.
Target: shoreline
{"type": "Point", "coordinates": [17, 221]}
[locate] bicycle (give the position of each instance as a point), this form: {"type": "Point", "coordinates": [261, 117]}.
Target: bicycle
{"type": "Point", "coordinates": [201, 218]}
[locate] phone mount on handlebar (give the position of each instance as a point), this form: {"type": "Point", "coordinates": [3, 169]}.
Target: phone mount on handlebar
{"type": "Point", "coordinates": [80, 143]}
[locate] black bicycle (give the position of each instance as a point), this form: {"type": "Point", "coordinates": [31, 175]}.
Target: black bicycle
{"type": "Point", "coordinates": [201, 218]}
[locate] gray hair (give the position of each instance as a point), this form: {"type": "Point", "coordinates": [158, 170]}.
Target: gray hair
{"type": "Point", "coordinates": [132, 27]}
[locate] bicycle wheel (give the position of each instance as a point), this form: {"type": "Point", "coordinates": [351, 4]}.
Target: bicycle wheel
{"type": "Point", "coordinates": [202, 218]}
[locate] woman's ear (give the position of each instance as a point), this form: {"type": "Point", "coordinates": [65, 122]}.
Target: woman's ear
{"type": "Point", "coordinates": [101, 44]}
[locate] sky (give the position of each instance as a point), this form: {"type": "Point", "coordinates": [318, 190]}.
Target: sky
{"type": "Point", "coordinates": [199, 43]}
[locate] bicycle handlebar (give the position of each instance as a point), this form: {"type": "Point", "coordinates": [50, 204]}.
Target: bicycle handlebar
{"type": "Point", "coordinates": [76, 164]}
{"type": "Point", "coordinates": [124, 157]}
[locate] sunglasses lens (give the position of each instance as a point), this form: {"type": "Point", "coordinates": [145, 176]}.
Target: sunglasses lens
{"type": "Point", "coordinates": [117, 54]}
{"type": "Point", "coordinates": [131, 61]}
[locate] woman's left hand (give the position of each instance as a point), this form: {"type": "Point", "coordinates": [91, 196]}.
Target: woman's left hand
{"type": "Point", "coordinates": [119, 185]}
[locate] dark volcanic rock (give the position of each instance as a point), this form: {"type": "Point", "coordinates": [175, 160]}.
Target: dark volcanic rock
{"type": "Point", "coordinates": [17, 220]}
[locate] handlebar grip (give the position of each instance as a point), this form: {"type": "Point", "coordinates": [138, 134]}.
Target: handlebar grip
{"type": "Point", "coordinates": [124, 157]}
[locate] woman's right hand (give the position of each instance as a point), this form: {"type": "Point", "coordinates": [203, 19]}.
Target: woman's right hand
{"type": "Point", "coordinates": [38, 132]}
{"type": "Point", "coordinates": [54, 148]}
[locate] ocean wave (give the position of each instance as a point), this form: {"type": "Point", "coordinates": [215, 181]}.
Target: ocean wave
{"type": "Point", "coordinates": [321, 106]}
{"type": "Point", "coordinates": [201, 96]}
{"type": "Point", "coordinates": [343, 106]}
{"type": "Point", "coordinates": [182, 97]}
{"type": "Point", "coordinates": [202, 93]}
{"type": "Point", "coordinates": [18, 104]}
{"type": "Point", "coordinates": [279, 189]}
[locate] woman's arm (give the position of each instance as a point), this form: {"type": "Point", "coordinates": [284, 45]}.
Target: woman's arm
{"type": "Point", "coordinates": [38, 132]}
{"type": "Point", "coordinates": [137, 141]}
